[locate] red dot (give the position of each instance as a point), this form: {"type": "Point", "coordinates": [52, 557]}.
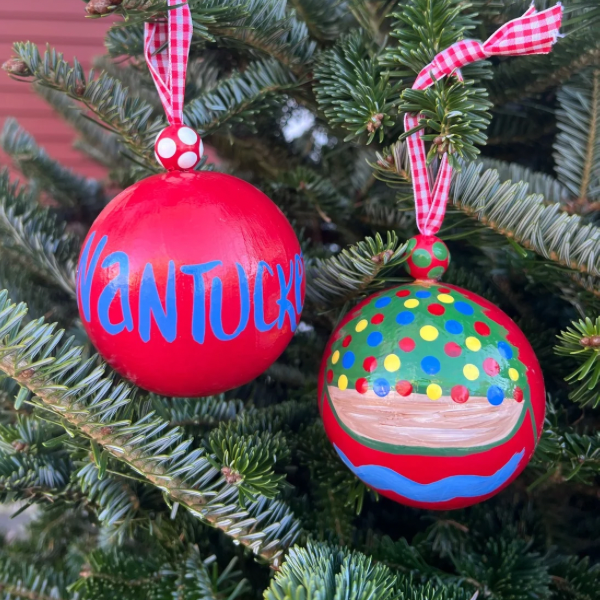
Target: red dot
{"type": "Point", "coordinates": [378, 318]}
{"type": "Point", "coordinates": [404, 388]}
{"type": "Point", "coordinates": [329, 376]}
{"type": "Point", "coordinates": [370, 364]}
{"type": "Point", "coordinates": [347, 341]}
{"type": "Point", "coordinates": [436, 309]}
{"type": "Point", "coordinates": [491, 367]}
{"type": "Point", "coordinates": [403, 293]}
{"type": "Point", "coordinates": [362, 385]}
{"type": "Point", "coordinates": [444, 290]}
{"type": "Point", "coordinates": [482, 328]}
{"type": "Point", "coordinates": [459, 393]}
{"type": "Point", "coordinates": [452, 349]}
{"type": "Point", "coordinates": [518, 394]}
{"type": "Point", "coordinates": [407, 344]}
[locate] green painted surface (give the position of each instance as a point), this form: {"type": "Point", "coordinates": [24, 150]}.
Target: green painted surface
{"type": "Point", "coordinates": [379, 332]}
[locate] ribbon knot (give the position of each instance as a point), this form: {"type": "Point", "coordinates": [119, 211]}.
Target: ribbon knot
{"type": "Point", "coordinates": [533, 33]}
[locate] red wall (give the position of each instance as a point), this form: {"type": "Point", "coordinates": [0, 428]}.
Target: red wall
{"type": "Point", "coordinates": [62, 24]}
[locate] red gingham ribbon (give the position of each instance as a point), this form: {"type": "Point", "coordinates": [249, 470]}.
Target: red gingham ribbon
{"type": "Point", "coordinates": [533, 33]}
{"type": "Point", "coordinates": [168, 67]}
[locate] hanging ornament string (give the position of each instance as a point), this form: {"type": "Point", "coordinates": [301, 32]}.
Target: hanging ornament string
{"type": "Point", "coordinates": [533, 33]}
{"type": "Point", "coordinates": [166, 47]}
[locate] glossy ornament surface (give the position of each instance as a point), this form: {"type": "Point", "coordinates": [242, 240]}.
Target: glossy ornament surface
{"type": "Point", "coordinates": [428, 257]}
{"type": "Point", "coordinates": [178, 148]}
{"type": "Point", "coordinates": [431, 395]}
{"type": "Point", "coordinates": [190, 284]}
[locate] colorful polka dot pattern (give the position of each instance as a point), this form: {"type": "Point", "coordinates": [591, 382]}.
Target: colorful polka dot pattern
{"type": "Point", "coordinates": [426, 339]}
{"type": "Point", "coordinates": [178, 148]}
{"type": "Point", "coordinates": [428, 257]}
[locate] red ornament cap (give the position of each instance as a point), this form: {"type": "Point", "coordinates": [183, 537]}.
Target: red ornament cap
{"type": "Point", "coordinates": [178, 148]}
{"type": "Point", "coordinates": [428, 257]}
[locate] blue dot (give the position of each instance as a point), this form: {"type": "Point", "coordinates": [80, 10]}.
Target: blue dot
{"type": "Point", "coordinates": [381, 387]}
{"type": "Point", "coordinates": [464, 308]}
{"type": "Point", "coordinates": [381, 302]}
{"type": "Point", "coordinates": [423, 294]}
{"type": "Point", "coordinates": [405, 317]}
{"type": "Point", "coordinates": [375, 338]}
{"type": "Point", "coordinates": [431, 365]}
{"type": "Point", "coordinates": [453, 326]}
{"type": "Point", "coordinates": [505, 350]}
{"type": "Point", "coordinates": [495, 395]}
{"type": "Point", "coordinates": [348, 360]}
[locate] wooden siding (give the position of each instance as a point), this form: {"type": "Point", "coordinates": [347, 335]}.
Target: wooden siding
{"type": "Point", "coordinates": [63, 25]}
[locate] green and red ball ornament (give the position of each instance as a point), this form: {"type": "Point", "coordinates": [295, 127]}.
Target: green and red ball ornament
{"type": "Point", "coordinates": [431, 394]}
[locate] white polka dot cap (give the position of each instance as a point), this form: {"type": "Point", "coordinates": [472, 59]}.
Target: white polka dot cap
{"type": "Point", "coordinates": [178, 148]}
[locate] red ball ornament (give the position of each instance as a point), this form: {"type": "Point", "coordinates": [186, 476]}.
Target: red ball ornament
{"type": "Point", "coordinates": [428, 257]}
{"type": "Point", "coordinates": [190, 284]}
{"type": "Point", "coordinates": [178, 148]}
{"type": "Point", "coordinates": [433, 409]}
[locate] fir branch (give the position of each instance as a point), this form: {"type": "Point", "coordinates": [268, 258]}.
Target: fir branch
{"type": "Point", "coordinates": [354, 272]}
{"type": "Point", "coordinates": [239, 98]}
{"type": "Point", "coordinates": [129, 118]}
{"type": "Point", "coordinates": [563, 455]}
{"type": "Point", "coordinates": [100, 144]}
{"type": "Point", "coordinates": [19, 581]}
{"type": "Point", "coordinates": [508, 209]}
{"type": "Point", "coordinates": [204, 413]}
{"type": "Point", "coordinates": [33, 235]}
{"type": "Point", "coordinates": [77, 392]}
{"type": "Point", "coordinates": [581, 341]}
{"type": "Point", "coordinates": [353, 92]}
{"type": "Point", "coordinates": [266, 27]}
{"type": "Point", "coordinates": [325, 19]}
{"type": "Point", "coordinates": [63, 185]}
{"type": "Point", "coordinates": [302, 191]}
{"type": "Point", "coordinates": [577, 145]}
{"type": "Point", "coordinates": [537, 183]}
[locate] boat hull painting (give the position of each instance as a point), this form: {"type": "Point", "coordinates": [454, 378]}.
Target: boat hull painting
{"type": "Point", "coordinates": [442, 490]}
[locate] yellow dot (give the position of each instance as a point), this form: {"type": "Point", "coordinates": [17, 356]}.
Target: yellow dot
{"type": "Point", "coordinates": [471, 372]}
{"type": "Point", "coordinates": [342, 382]}
{"type": "Point", "coordinates": [335, 357]}
{"type": "Point", "coordinates": [445, 298]}
{"type": "Point", "coordinates": [513, 374]}
{"type": "Point", "coordinates": [391, 363]}
{"type": "Point", "coordinates": [434, 391]}
{"type": "Point", "coordinates": [412, 303]}
{"type": "Point", "coordinates": [429, 333]}
{"type": "Point", "coordinates": [473, 343]}
{"type": "Point", "coordinates": [361, 325]}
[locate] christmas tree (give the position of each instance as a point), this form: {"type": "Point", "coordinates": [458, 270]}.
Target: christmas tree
{"type": "Point", "coordinates": [242, 495]}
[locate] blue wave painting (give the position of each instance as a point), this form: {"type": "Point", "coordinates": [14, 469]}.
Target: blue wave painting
{"type": "Point", "coordinates": [456, 486]}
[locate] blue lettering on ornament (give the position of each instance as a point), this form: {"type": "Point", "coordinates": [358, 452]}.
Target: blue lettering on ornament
{"type": "Point", "coordinates": [216, 306]}
{"type": "Point", "coordinates": [150, 304]}
{"type": "Point", "coordinates": [119, 285]}
{"type": "Point", "coordinates": [285, 305]}
{"type": "Point", "coordinates": [298, 277]}
{"type": "Point", "coordinates": [259, 310]}
{"type": "Point", "coordinates": [85, 274]}
{"type": "Point", "coordinates": [162, 306]}
{"type": "Point", "coordinates": [199, 309]}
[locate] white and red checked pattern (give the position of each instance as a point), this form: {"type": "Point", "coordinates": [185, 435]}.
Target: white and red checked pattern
{"type": "Point", "coordinates": [533, 33]}
{"type": "Point", "coordinates": [166, 47]}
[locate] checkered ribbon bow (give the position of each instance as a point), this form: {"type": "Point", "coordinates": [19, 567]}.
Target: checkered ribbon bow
{"type": "Point", "coordinates": [533, 33]}
{"type": "Point", "coordinates": [166, 47]}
